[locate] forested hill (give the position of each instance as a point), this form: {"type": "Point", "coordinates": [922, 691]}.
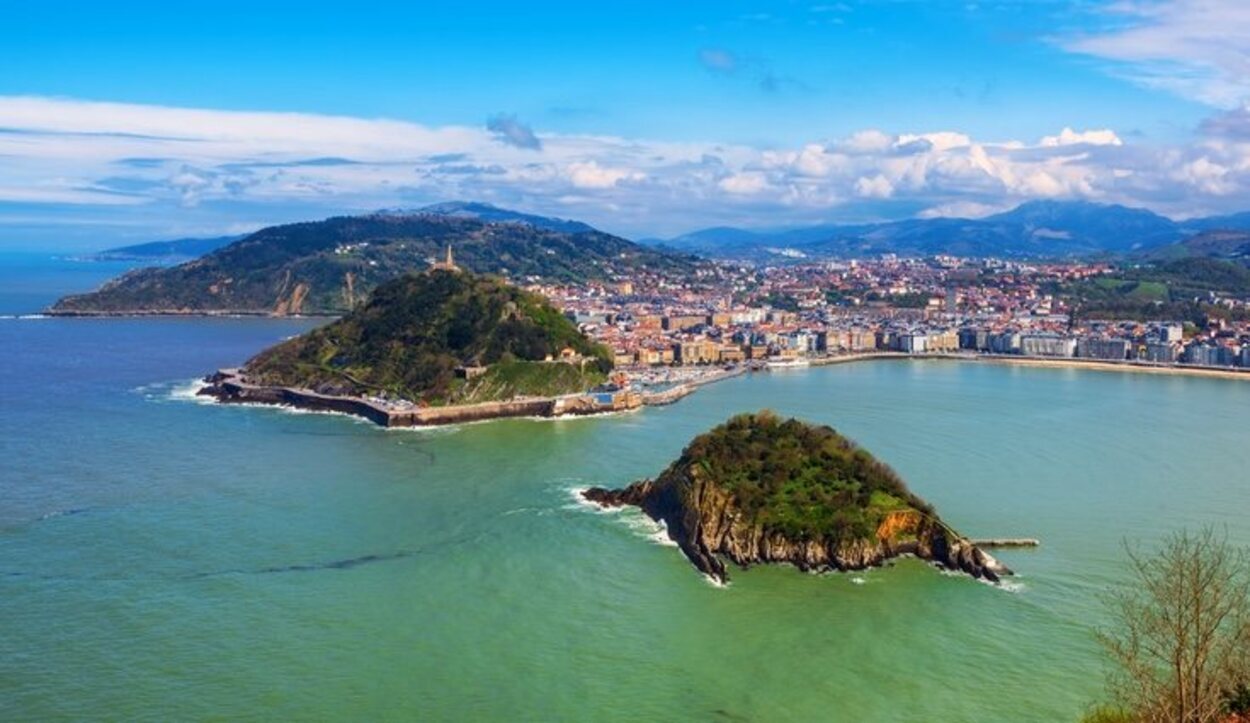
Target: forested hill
{"type": "Point", "coordinates": [761, 489]}
{"type": "Point", "coordinates": [330, 266]}
{"type": "Point", "coordinates": [408, 340]}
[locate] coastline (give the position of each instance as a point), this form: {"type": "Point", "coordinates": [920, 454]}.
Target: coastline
{"type": "Point", "coordinates": [211, 314]}
{"type": "Point", "coordinates": [229, 387]}
{"type": "Point", "coordinates": [1104, 365]}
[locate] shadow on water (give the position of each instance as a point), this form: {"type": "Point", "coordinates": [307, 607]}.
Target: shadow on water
{"type": "Point", "coordinates": [345, 563]}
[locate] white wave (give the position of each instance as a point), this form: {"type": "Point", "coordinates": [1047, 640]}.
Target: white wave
{"type": "Point", "coordinates": [718, 584]}
{"type": "Point", "coordinates": [636, 520]}
{"type": "Point", "coordinates": [24, 317]}
{"type": "Point", "coordinates": [858, 580]}
{"type": "Point", "coordinates": [1011, 586]}
{"type": "Point", "coordinates": [578, 501]}
{"type": "Point", "coordinates": [435, 429]}
{"type": "Point", "coordinates": [188, 391]}
{"type": "Point", "coordinates": [654, 531]}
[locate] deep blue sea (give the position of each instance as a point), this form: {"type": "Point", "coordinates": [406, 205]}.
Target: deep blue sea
{"type": "Point", "coordinates": [162, 558]}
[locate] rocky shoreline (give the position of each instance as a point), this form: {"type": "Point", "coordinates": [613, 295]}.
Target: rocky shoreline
{"type": "Point", "coordinates": [703, 521]}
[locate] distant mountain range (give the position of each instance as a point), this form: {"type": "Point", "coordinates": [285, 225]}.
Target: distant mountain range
{"type": "Point", "coordinates": [331, 266]}
{"type": "Point", "coordinates": [182, 249]}
{"type": "Point", "coordinates": [493, 214]}
{"type": "Point", "coordinates": [1031, 230]}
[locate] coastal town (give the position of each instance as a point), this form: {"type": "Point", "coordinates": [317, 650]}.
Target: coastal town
{"type": "Point", "coordinates": [731, 315]}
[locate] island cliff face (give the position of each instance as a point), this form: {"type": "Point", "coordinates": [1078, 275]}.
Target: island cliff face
{"type": "Point", "coordinates": [793, 493]}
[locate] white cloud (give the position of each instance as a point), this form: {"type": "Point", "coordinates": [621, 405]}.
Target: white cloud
{"type": "Point", "coordinates": [744, 184]}
{"type": "Point", "coordinates": [1069, 137]}
{"type": "Point", "coordinates": [156, 165]}
{"type": "Point", "coordinates": [962, 209]}
{"type": "Point", "coordinates": [1199, 49]}
{"type": "Point", "coordinates": [591, 175]}
{"type": "Point", "coordinates": [877, 186]}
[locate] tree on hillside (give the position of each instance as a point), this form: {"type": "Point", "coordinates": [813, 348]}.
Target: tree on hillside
{"type": "Point", "coordinates": [1180, 640]}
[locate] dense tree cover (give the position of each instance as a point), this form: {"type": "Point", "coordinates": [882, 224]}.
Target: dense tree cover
{"type": "Point", "coordinates": [916, 300]}
{"type": "Point", "coordinates": [1169, 290]}
{"type": "Point", "coordinates": [414, 331]}
{"type": "Point", "coordinates": [777, 300]}
{"type": "Point", "coordinates": [802, 480]}
{"type": "Point", "coordinates": [331, 266]}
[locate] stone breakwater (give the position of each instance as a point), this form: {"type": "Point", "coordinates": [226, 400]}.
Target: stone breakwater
{"type": "Point", "coordinates": [705, 523]}
{"type": "Point", "coordinates": [229, 386]}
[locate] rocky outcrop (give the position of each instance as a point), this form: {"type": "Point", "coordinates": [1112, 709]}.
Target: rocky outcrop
{"type": "Point", "coordinates": [704, 521]}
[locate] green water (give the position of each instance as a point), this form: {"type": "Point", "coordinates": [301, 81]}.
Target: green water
{"type": "Point", "coordinates": [162, 559]}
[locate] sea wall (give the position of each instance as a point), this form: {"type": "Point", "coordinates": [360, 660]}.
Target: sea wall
{"type": "Point", "coordinates": [229, 386]}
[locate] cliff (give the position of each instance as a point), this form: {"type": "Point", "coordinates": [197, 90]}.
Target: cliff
{"type": "Point", "coordinates": [760, 490]}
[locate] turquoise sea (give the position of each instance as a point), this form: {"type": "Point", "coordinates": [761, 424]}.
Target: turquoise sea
{"type": "Point", "coordinates": [167, 559]}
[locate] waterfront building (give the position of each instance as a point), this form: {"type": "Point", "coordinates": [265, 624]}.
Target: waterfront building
{"type": "Point", "coordinates": [1047, 345]}
{"type": "Point", "coordinates": [1093, 347]}
{"type": "Point", "coordinates": [1163, 352]}
{"type": "Point", "coordinates": [942, 341]}
{"type": "Point", "coordinates": [1202, 354]}
{"type": "Point", "coordinates": [1006, 342]}
{"type": "Point", "coordinates": [700, 351]}
{"type": "Point", "coordinates": [912, 342]}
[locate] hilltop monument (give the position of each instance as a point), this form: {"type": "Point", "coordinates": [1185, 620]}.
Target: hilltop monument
{"type": "Point", "coordinates": [449, 264]}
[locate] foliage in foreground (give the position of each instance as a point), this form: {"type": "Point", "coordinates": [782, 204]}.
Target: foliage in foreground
{"type": "Point", "coordinates": [1180, 642]}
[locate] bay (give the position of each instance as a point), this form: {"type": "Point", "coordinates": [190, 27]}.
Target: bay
{"type": "Point", "coordinates": [162, 558]}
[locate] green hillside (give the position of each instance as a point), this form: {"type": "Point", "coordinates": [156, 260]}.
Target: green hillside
{"type": "Point", "coordinates": [331, 266]}
{"type": "Point", "coordinates": [414, 332]}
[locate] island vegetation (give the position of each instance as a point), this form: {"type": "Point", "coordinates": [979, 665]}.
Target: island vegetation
{"type": "Point", "coordinates": [442, 337]}
{"type": "Point", "coordinates": [762, 489]}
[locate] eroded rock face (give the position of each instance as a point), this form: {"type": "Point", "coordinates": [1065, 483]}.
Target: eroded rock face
{"type": "Point", "coordinates": [704, 521]}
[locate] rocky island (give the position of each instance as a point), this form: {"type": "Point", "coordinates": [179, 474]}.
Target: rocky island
{"type": "Point", "coordinates": [471, 346]}
{"type": "Point", "coordinates": [759, 489]}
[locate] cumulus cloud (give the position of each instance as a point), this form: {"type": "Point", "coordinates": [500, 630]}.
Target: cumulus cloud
{"type": "Point", "coordinates": [877, 186]}
{"type": "Point", "coordinates": [509, 130]}
{"type": "Point", "coordinates": [138, 164]}
{"type": "Point", "coordinates": [1069, 137]}
{"type": "Point", "coordinates": [591, 175]}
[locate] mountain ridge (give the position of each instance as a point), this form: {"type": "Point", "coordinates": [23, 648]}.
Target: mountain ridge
{"type": "Point", "coordinates": [1033, 229]}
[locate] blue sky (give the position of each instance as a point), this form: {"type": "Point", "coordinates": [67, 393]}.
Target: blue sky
{"type": "Point", "coordinates": [133, 121]}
